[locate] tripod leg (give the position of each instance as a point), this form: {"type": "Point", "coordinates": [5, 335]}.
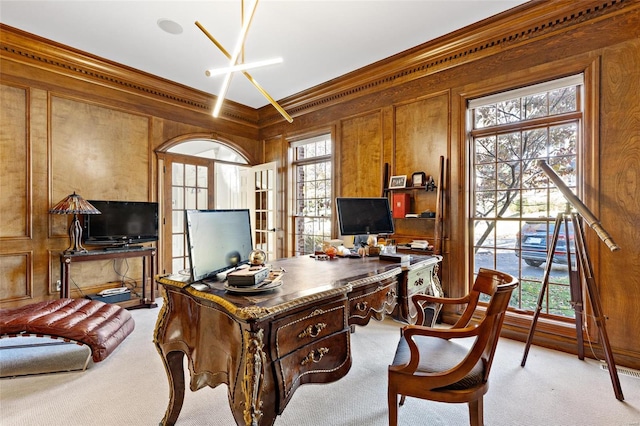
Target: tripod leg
{"type": "Point", "coordinates": [543, 289]}
{"type": "Point", "coordinates": [594, 298]}
{"type": "Point", "coordinates": [575, 287]}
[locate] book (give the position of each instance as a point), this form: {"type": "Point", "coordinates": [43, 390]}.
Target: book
{"type": "Point", "coordinates": [395, 257]}
{"type": "Point", "coordinates": [248, 276]}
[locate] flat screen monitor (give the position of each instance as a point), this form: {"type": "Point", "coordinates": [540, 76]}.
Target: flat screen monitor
{"type": "Point", "coordinates": [364, 216]}
{"type": "Point", "coordinates": [121, 223]}
{"type": "Point", "coordinates": [217, 240]}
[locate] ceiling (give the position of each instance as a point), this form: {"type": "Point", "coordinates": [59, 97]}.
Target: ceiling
{"type": "Point", "coordinates": [318, 40]}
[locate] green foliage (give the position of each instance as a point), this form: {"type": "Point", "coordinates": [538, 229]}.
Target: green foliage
{"type": "Point", "coordinates": [557, 298]}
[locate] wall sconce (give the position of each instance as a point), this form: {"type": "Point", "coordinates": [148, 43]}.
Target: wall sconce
{"type": "Point", "coordinates": [74, 204]}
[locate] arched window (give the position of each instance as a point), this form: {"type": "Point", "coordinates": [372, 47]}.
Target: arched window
{"type": "Point", "coordinates": [196, 173]}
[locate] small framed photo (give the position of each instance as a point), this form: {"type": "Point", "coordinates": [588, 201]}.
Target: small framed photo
{"type": "Point", "coordinates": [418, 179]}
{"type": "Point", "coordinates": [397, 182]}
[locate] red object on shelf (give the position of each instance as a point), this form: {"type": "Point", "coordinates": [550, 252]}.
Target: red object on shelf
{"type": "Point", "coordinates": [401, 205]}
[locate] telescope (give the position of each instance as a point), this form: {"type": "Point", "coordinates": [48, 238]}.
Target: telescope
{"type": "Point", "coordinates": [584, 274]}
{"type": "Point", "coordinates": [583, 210]}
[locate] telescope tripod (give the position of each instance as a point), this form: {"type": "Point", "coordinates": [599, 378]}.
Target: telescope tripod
{"type": "Point", "coordinates": [583, 273]}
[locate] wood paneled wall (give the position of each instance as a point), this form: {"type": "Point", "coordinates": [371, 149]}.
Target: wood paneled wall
{"type": "Point", "coordinates": [409, 118]}
{"type": "Point", "coordinates": [67, 125]}
{"type": "Point", "coordinates": [64, 130]}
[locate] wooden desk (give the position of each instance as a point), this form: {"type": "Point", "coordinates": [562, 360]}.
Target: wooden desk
{"type": "Point", "coordinates": [148, 260]}
{"type": "Point", "coordinates": [264, 346]}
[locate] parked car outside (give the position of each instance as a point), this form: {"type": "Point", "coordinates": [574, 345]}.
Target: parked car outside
{"type": "Point", "coordinates": [534, 239]}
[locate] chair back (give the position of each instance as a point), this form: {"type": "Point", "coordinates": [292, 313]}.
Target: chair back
{"type": "Point", "coordinates": [485, 283]}
{"type": "Point", "coordinates": [499, 286]}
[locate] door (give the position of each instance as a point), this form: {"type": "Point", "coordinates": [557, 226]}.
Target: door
{"type": "Point", "coordinates": [188, 183]}
{"type": "Point", "coordinates": [262, 192]}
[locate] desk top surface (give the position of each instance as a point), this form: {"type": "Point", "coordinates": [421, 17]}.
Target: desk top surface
{"type": "Point", "coordinates": [304, 281]}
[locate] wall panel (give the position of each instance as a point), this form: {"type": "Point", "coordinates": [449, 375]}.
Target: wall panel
{"type": "Point", "coordinates": [99, 152]}
{"type": "Point", "coordinates": [15, 276]}
{"type": "Point", "coordinates": [421, 129]}
{"type": "Point", "coordinates": [14, 152]}
{"type": "Point", "coordinates": [619, 191]}
{"type": "Point", "coordinates": [360, 156]}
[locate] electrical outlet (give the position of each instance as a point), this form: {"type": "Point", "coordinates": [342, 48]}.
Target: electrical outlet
{"type": "Point", "coordinates": [58, 285]}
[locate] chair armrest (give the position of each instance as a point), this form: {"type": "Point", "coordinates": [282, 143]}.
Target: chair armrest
{"type": "Point", "coordinates": [409, 331]}
{"type": "Point", "coordinates": [420, 298]}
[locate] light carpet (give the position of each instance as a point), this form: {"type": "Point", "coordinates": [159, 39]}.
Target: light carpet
{"type": "Point", "coordinates": [130, 388]}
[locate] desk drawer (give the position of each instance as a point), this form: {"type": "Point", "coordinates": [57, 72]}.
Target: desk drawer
{"type": "Point", "coordinates": [420, 280]}
{"type": "Point", "coordinates": [326, 360]}
{"type": "Point", "coordinates": [305, 327]}
{"type": "Point", "coordinates": [372, 300]}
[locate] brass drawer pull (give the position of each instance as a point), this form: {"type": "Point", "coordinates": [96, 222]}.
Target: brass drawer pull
{"type": "Point", "coordinates": [362, 306]}
{"type": "Point", "coordinates": [312, 330]}
{"type": "Point", "coordinates": [315, 356]}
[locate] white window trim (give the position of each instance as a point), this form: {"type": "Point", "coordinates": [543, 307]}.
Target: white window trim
{"type": "Point", "coordinates": [572, 80]}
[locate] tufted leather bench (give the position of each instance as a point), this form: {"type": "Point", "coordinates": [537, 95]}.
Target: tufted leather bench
{"type": "Point", "coordinates": [99, 325]}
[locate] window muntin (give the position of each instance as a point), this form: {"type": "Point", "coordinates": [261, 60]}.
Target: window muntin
{"type": "Point", "coordinates": [312, 168]}
{"type": "Point", "coordinates": [511, 197]}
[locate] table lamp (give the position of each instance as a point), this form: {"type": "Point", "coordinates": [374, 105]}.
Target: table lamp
{"type": "Point", "coordinates": [74, 204]}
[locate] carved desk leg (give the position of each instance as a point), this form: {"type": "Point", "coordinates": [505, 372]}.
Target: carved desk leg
{"type": "Point", "coordinates": [252, 383]}
{"type": "Point", "coordinates": [175, 372]}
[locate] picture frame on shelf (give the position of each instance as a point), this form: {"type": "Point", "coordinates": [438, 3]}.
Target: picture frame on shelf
{"type": "Point", "coordinates": [398, 182]}
{"type": "Point", "coordinates": [418, 179]}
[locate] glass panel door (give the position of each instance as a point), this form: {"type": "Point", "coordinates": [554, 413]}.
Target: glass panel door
{"type": "Point", "coordinates": [189, 188]}
{"type": "Point", "coordinates": [263, 208]}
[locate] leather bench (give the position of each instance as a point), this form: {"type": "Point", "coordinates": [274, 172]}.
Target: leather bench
{"type": "Point", "coordinates": [99, 325]}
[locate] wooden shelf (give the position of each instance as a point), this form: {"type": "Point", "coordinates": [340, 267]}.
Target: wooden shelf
{"type": "Point", "coordinates": [411, 188]}
{"type": "Point", "coordinates": [429, 228]}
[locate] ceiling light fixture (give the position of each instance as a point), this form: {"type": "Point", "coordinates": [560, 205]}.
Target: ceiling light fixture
{"type": "Point", "coordinates": [242, 67]}
{"type": "Point", "coordinates": [239, 48]}
{"type": "Point", "coordinates": [234, 59]}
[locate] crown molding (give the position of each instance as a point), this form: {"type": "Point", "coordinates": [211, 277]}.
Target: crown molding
{"type": "Point", "coordinates": [513, 28]}
{"type": "Point", "coordinates": [29, 49]}
{"type": "Point", "coordinates": [510, 29]}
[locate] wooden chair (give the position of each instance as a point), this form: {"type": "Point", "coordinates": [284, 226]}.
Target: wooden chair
{"type": "Point", "coordinates": [428, 363]}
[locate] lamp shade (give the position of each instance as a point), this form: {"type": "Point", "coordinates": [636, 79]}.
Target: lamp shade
{"type": "Point", "coordinates": [74, 204]}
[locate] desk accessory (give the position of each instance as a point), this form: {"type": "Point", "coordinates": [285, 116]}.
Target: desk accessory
{"type": "Point", "coordinates": [418, 179]}
{"type": "Point", "coordinates": [395, 257]}
{"type": "Point", "coordinates": [401, 205]}
{"type": "Point", "coordinates": [260, 288]}
{"type": "Point", "coordinates": [247, 276]}
{"type": "Point", "coordinates": [420, 244]}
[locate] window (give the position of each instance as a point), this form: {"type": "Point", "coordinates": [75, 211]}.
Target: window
{"type": "Point", "coordinates": [514, 205]}
{"type": "Point", "coordinates": [312, 173]}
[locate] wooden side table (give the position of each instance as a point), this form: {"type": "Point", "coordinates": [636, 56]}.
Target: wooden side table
{"type": "Point", "coordinates": [147, 254]}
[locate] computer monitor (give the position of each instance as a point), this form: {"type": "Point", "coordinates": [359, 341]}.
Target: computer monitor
{"type": "Point", "coordinates": [364, 216]}
{"type": "Point", "coordinates": [217, 240]}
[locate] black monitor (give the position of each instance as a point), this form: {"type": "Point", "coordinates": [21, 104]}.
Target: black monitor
{"type": "Point", "coordinates": [121, 223]}
{"type": "Point", "coordinates": [364, 216]}
{"type": "Point", "coordinates": [217, 240]}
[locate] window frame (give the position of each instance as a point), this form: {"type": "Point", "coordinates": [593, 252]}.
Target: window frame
{"type": "Point", "coordinates": [565, 332]}
{"type": "Point", "coordinates": [294, 162]}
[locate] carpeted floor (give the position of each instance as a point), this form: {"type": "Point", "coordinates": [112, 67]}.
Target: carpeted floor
{"type": "Point", "coordinates": [130, 388]}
